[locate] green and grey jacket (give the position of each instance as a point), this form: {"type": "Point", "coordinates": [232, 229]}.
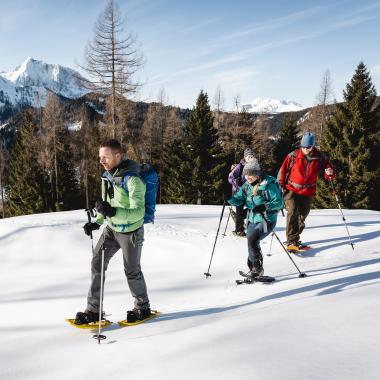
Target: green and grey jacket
{"type": "Point", "coordinates": [267, 192]}
{"type": "Point", "coordinates": [123, 189]}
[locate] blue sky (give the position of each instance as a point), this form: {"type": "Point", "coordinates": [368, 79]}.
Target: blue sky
{"type": "Point", "coordinates": [277, 49]}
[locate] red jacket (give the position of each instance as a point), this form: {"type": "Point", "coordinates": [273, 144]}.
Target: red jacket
{"type": "Point", "coordinates": [303, 175]}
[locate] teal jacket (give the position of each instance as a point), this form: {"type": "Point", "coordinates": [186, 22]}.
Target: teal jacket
{"type": "Point", "coordinates": [267, 192]}
{"type": "Point", "coordinates": [126, 192]}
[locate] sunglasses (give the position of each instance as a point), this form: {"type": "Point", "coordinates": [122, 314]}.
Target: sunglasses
{"type": "Point", "coordinates": [308, 147]}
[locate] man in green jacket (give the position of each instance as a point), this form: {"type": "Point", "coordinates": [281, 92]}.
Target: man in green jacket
{"type": "Point", "coordinates": [123, 209]}
{"type": "Point", "coordinates": [261, 195]}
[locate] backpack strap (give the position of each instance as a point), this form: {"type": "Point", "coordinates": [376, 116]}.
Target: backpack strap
{"type": "Point", "coordinates": [292, 158]}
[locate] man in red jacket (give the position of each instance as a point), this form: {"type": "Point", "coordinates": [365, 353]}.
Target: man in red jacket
{"type": "Point", "coordinates": [298, 178]}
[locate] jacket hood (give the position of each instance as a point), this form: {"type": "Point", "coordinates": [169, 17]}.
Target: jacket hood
{"type": "Point", "coordinates": [125, 166]}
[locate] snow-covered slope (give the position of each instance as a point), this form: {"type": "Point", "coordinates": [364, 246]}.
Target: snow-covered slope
{"type": "Point", "coordinates": [324, 326]}
{"type": "Point", "coordinates": [267, 105]}
{"type": "Point", "coordinates": [31, 81]}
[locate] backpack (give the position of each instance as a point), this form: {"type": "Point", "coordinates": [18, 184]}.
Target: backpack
{"type": "Point", "coordinates": [150, 177]}
{"type": "Point", "coordinates": [322, 157]}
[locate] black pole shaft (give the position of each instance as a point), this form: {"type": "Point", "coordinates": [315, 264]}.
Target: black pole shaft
{"type": "Point", "coordinates": [341, 211]}
{"type": "Point", "coordinates": [282, 245]}
{"type": "Point", "coordinates": [89, 220]}
{"type": "Point", "coordinates": [207, 274]}
{"type": "Point", "coordinates": [286, 251]}
{"type": "Point", "coordinates": [228, 219]}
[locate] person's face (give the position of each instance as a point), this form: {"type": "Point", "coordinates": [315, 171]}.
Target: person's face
{"type": "Point", "coordinates": [251, 178]}
{"type": "Point", "coordinates": [108, 158]}
{"type": "Point", "coordinates": [249, 158]}
{"type": "Point", "coordinates": [307, 150]}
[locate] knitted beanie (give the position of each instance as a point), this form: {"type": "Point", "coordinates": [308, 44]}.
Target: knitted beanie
{"type": "Point", "coordinates": [307, 140]}
{"type": "Point", "coordinates": [249, 152]}
{"type": "Point", "coordinates": [252, 168]}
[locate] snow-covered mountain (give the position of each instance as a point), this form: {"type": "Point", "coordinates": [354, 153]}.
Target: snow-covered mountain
{"type": "Point", "coordinates": [31, 81]}
{"type": "Point", "coordinates": [267, 105]}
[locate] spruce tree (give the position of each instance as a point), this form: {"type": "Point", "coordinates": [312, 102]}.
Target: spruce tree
{"type": "Point", "coordinates": [172, 182]}
{"type": "Point", "coordinates": [198, 161]}
{"type": "Point", "coordinates": [25, 196]}
{"type": "Point", "coordinates": [351, 138]}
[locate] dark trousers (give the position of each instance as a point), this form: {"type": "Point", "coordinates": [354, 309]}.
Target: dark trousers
{"type": "Point", "coordinates": [131, 245]}
{"type": "Point", "coordinates": [255, 233]}
{"type": "Point", "coordinates": [298, 208]}
{"type": "Point", "coordinates": [241, 214]}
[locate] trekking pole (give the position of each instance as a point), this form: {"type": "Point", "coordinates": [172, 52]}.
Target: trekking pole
{"type": "Point", "coordinates": [99, 336]}
{"type": "Point", "coordinates": [341, 211]}
{"type": "Point", "coordinates": [270, 247]}
{"type": "Point", "coordinates": [301, 274]}
{"type": "Point", "coordinates": [208, 274]}
{"type": "Point", "coordinates": [224, 233]}
{"type": "Point", "coordinates": [91, 213]}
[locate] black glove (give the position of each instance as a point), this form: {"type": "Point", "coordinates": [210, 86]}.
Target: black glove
{"type": "Point", "coordinates": [105, 209]}
{"type": "Point", "coordinates": [259, 208]}
{"type": "Point", "coordinates": [89, 227]}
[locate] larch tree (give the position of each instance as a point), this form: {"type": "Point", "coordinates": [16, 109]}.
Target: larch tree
{"type": "Point", "coordinates": [112, 59]}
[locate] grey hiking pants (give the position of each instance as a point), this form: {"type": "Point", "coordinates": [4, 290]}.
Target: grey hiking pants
{"type": "Point", "coordinates": [131, 245]}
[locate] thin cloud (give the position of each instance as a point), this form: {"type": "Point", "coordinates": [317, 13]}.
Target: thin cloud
{"type": "Point", "coordinates": [272, 24]}
{"type": "Point", "coordinates": [233, 76]}
{"type": "Point", "coordinates": [200, 25]}
{"type": "Point", "coordinates": [245, 54]}
{"type": "Point", "coordinates": [375, 71]}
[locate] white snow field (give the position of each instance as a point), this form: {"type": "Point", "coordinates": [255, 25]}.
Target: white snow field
{"type": "Point", "coordinates": [324, 326]}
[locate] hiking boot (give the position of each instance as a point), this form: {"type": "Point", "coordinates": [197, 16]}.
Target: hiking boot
{"type": "Point", "coordinates": [292, 247]}
{"type": "Point", "coordinates": [138, 315]}
{"type": "Point", "coordinates": [239, 233]}
{"type": "Point", "coordinates": [255, 272]}
{"type": "Point", "coordinates": [86, 317]}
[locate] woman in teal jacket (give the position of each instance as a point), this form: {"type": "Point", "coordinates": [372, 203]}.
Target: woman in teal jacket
{"type": "Point", "coordinates": [261, 195]}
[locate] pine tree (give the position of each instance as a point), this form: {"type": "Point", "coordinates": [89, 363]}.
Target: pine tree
{"type": "Point", "coordinates": [351, 138]}
{"type": "Point", "coordinates": [25, 196]}
{"type": "Point", "coordinates": [199, 162]}
{"type": "Point", "coordinates": [288, 140]}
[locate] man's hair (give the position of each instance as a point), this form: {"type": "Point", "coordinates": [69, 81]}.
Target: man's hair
{"type": "Point", "coordinates": [113, 144]}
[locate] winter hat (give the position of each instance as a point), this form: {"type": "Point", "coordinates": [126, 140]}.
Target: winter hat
{"type": "Point", "coordinates": [252, 168]}
{"type": "Point", "coordinates": [307, 140]}
{"type": "Point", "coordinates": [249, 152]}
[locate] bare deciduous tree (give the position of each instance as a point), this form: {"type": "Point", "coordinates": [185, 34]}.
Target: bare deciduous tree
{"type": "Point", "coordinates": [112, 59]}
{"type": "Point", "coordinates": [324, 97]}
{"type": "Point", "coordinates": [218, 106]}
{"type": "Point", "coordinates": [315, 118]}
{"type": "Point", "coordinates": [4, 161]}
{"type": "Point", "coordinates": [52, 144]}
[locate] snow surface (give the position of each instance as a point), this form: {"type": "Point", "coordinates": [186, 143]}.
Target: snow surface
{"type": "Point", "coordinates": [268, 105]}
{"type": "Point", "coordinates": [33, 79]}
{"type": "Point", "coordinates": [324, 326]}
